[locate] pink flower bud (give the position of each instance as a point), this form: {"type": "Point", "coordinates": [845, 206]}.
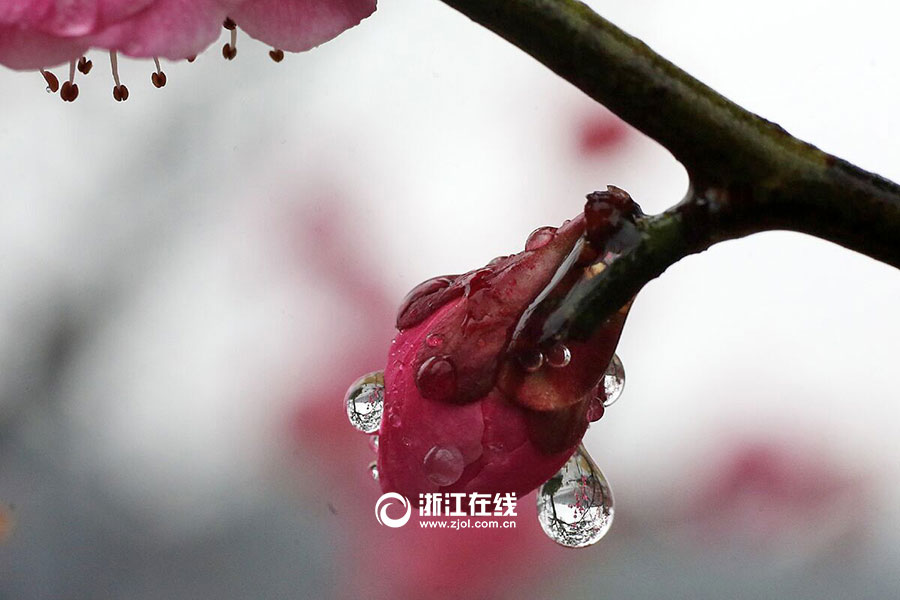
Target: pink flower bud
{"type": "Point", "coordinates": [472, 402]}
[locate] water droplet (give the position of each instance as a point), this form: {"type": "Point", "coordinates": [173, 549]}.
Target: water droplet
{"type": "Point", "coordinates": [49, 91]}
{"type": "Point", "coordinates": [394, 419]}
{"type": "Point", "coordinates": [373, 468]}
{"type": "Point", "coordinates": [365, 402]}
{"type": "Point", "coordinates": [434, 340]}
{"type": "Point", "coordinates": [595, 408]}
{"type": "Point", "coordinates": [373, 443]}
{"type": "Point", "coordinates": [531, 360]}
{"type": "Point", "coordinates": [575, 507]}
{"type": "Point", "coordinates": [406, 441]}
{"type": "Point", "coordinates": [436, 378]}
{"type": "Point", "coordinates": [540, 237]}
{"type": "Point", "coordinates": [614, 380]}
{"type": "Point", "coordinates": [444, 465]}
{"type": "Point", "coordinates": [424, 299]}
{"type": "Point", "coordinates": [559, 356]}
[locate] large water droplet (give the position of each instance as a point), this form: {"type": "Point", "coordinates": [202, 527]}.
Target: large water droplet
{"type": "Point", "coordinates": [365, 402]}
{"type": "Point", "coordinates": [559, 356]}
{"type": "Point", "coordinates": [436, 378]}
{"type": "Point", "coordinates": [373, 469]}
{"type": "Point", "coordinates": [540, 237]}
{"type": "Point", "coordinates": [614, 380]}
{"type": "Point", "coordinates": [444, 465]}
{"type": "Point", "coordinates": [575, 507]}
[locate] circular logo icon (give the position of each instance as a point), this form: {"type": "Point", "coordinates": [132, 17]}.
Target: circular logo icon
{"type": "Point", "coordinates": [381, 508]}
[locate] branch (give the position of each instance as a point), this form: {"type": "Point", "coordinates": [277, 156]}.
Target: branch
{"type": "Point", "coordinates": [747, 174]}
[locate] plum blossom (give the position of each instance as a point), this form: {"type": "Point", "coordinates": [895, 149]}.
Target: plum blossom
{"type": "Point", "coordinates": [45, 33]}
{"type": "Point", "coordinates": [473, 403]}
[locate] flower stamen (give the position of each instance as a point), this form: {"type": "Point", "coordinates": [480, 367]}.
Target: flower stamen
{"type": "Point", "coordinates": [120, 92]}
{"type": "Point", "coordinates": [229, 51]}
{"type": "Point", "coordinates": [158, 78]}
{"type": "Point", "coordinates": [52, 81]}
{"type": "Point", "coordinates": [85, 65]}
{"type": "Point", "coordinates": [69, 90]}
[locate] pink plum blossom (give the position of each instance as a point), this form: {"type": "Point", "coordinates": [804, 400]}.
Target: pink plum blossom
{"type": "Point", "coordinates": [45, 33]}
{"type": "Point", "coordinates": [471, 404]}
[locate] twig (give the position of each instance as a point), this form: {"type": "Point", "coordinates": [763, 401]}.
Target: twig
{"type": "Point", "coordinates": [747, 175]}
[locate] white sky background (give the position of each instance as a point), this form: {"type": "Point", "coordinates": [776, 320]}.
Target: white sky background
{"type": "Point", "coordinates": [161, 213]}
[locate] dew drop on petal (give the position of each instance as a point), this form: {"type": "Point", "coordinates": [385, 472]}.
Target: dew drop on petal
{"type": "Point", "coordinates": [365, 402]}
{"type": "Point", "coordinates": [540, 237]}
{"type": "Point", "coordinates": [434, 340]}
{"type": "Point", "coordinates": [444, 465]}
{"type": "Point", "coordinates": [531, 360]}
{"type": "Point", "coordinates": [436, 378]}
{"type": "Point", "coordinates": [373, 468]}
{"type": "Point", "coordinates": [373, 443]}
{"type": "Point", "coordinates": [575, 507]}
{"type": "Point", "coordinates": [559, 356]}
{"type": "Point", "coordinates": [614, 380]}
{"type": "Point", "coordinates": [596, 408]}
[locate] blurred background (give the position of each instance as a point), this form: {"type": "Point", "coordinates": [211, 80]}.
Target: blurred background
{"type": "Point", "coordinates": [190, 280]}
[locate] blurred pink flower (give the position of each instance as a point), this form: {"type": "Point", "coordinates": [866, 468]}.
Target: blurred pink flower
{"type": "Point", "coordinates": [468, 406]}
{"type": "Point", "coordinates": [783, 500]}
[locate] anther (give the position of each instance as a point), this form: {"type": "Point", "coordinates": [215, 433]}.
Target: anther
{"type": "Point", "coordinates": [191, 58]}
{"type": "Point", "coordinates": [69, 90]}
{"type": "Point", "coordinates": [120, 92]}
{"type": "Point", "coordinates": [158, 78]}
{"type": "Point", "coordinates": [229, 51]}
{"type": "Point", "coordinates": [85, 65]}
{"type": "Point", "coordinates": [276, 55]}
{"type": "Point", "coordinates": [52, 81]}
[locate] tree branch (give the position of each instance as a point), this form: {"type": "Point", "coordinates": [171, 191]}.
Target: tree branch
{"type": "Point", "coordinates": [747, 175]}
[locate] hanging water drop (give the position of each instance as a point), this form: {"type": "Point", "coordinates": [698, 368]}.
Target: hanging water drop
{"type": "Point", "coordinates": [444, 465]}
{"type": "Point", "coordinates": [614, 380]}
{"type": "Point", "coordinates": [365, 402]}
{"type": "Point", "coordinates": [373, 469]}
{"type": "Point", "coordinates": [575, 507]}
{"type": "Point", "coordinates": [373, 443]}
